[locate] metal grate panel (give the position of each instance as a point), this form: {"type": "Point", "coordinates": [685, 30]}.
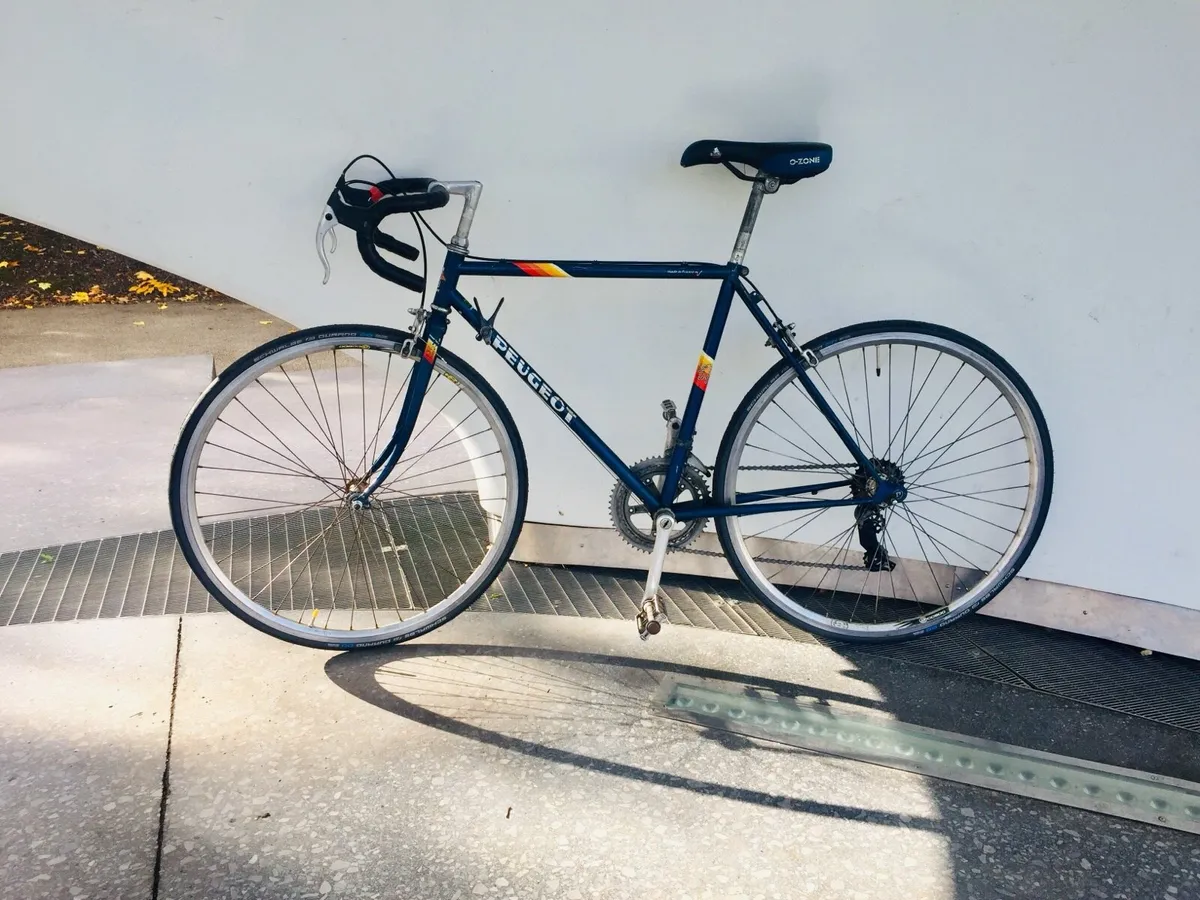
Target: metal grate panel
{"type": "Point", "coordinates": [146, 574]}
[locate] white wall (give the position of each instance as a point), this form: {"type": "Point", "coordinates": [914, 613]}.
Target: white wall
{"type": "Point", "coordinates": [1028, 172]}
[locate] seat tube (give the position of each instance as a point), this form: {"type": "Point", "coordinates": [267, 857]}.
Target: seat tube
{"type": "Point", "coordinates": [687, 427]}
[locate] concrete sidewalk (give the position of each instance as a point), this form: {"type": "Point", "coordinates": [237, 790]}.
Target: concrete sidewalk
{"type": "Point", "coordinates": [517, 756]}
{"type": "Point", "coordinates": [85, 448]}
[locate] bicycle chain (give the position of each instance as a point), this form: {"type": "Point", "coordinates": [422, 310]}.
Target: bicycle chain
{"type": "Point", "coordinates": [836, 467]}
{"type": "Point", "coordinates": [783, 562]}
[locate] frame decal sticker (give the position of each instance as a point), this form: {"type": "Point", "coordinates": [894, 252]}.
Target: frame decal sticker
{"type": "Point", "coordinates": [431, 350]}
{"type": "Point", "coordinates": [703, 370]}
{"type": "Point", "coordinates": [541, 269]}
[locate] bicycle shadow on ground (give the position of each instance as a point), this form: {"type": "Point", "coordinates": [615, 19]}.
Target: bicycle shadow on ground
{"type": "Point", "coordinates": [579, 709]}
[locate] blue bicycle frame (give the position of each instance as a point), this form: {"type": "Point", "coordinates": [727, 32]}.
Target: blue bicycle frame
{"type": "Point", "coordinates": [731, 276]}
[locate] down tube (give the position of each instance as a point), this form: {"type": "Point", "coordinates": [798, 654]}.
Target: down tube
{"type": "Point", "coordinates": [570, 418]}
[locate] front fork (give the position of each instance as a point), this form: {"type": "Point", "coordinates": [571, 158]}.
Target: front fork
{"type": "Point", "coordinates": [428, 331]}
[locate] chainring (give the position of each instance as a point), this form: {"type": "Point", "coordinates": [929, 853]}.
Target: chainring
{"type": "Point", "coordinates": [624, 505]}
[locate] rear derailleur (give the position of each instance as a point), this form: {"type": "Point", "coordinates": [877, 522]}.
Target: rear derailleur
{"type": "Point", "coordinates": [870, 517]}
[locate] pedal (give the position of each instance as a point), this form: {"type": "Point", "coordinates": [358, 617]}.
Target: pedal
{"type": "Point", "coordinates": [670, 416]}
{"type": "Point", "coordinates": [650, 619]}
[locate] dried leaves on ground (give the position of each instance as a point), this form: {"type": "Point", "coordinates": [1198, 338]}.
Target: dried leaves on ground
{"type": "Point", "coordinates": [40, 267]}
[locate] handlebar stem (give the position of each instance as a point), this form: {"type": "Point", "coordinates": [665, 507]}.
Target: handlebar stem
{"type": "Point", "coordinates": [470, 192]}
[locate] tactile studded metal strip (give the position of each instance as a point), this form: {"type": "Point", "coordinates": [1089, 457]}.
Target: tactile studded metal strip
{"type": "Point", "coordinates": [145, 574]}
{"type": "Point", "coordinates": [815, 726]}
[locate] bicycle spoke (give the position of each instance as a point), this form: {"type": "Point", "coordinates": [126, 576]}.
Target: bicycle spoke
{"type": "Point", "coordinates": [303, 509]}
{"type": "Point", "coordinates": [917, 515]}
{"type": "Point", "coordinates": [404, 474]}
{"type": "Point", "coordinates": [267, 462]}
{"type": "Point", "coordinates": [831, 456]}
{"type": "Point", "coordinates": [316, 421]}
{"type": "Point", "coordinates": [906, 514]}
{"type": "Point", "coordinates": [962, 512]}
{"type": "Point", "coordinates": [962, 437]}
{"type": "Point", "coordinates": [383, 418]}
{"type": "Point", "coordinates": [810, 516]}
{"type": "Point", "coordinates": [949, 384]}
{"type": "Point", "coordinates": [833, 396]}
{"type": "Point", "coordinates": [290, 452]}
{"type": "Point", "coordinates": [930, 468]}
{"type": "Point", "coordinates": [867, 395]}
{"type": "Point", "coordinates": [461, 462]}
{"type": "Point", "coordinates": [379, 422]}
{"type": "Point", "coordinates": [946, 495]}
{"type": "Point", "coordinates": [912, 401]}
{"type": "Point", "coordinates": [345, 470]}
{"type": "Point", "coordinates": [284, 553]}
{"type": "Point", "coordinates": [321, 538]}
{"type": "Point", "coordinates": [932, 574]}
{"type": "Point", "coordinates": [950, 417]}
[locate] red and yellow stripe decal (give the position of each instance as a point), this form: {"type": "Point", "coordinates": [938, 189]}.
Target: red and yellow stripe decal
{"type": "Point", "coordinates": [541, 269]}
{"type": "Point", "coordinates": [431, 350]}
{"type": "Point", "coordinates": [703, 370]}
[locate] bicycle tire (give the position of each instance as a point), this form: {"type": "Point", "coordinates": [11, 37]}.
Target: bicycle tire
{"type": "Point", "coordinates": [831, 622]}
{"type": "Point", "coordinates": [341, 341]}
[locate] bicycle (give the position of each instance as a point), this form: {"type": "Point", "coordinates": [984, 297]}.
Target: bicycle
{"type": "Point", "coordinates": [851, 504]}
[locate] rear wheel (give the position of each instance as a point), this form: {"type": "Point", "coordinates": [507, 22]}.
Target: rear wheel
{"type": "Point", "coordinates": [269, 459]}
{"type": "Point", "coordinates": [938, 413]}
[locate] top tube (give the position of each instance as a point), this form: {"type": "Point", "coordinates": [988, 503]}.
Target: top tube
{"type": "Point", "coordinates": [597, 269]}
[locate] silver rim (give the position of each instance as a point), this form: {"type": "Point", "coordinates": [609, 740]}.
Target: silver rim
{"type": "Point", "coordinates": [273, 458]}
{"type": "Point", "coordinates": [974, 471]}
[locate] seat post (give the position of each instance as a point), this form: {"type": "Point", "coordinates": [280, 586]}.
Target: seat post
{"type": "Point", "coordinates": [762, 185]}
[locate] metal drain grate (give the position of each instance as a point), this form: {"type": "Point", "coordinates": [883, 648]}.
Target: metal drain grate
{"type": "Point", "coordinates": [145, 574]}
{"type": "Point", "coordinates": [810, 725]}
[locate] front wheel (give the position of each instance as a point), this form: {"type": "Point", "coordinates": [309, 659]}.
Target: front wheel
{"type": "Point", "coordinates": [940, 415]}
{"type": "Point", "coordinates": [269, 462]}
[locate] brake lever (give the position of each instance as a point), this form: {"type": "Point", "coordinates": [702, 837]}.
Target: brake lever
{"type": "Point", "coordinates": [327, 226]}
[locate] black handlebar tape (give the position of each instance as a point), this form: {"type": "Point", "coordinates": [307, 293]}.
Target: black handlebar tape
{"type": "Point", "coordinates": [384, 269]}
{"type": "Point", "coordinates": [404, 203]}
{"type": "Point", "coordinates": [392, 245]}
{"type": "Point", "coordinates": [405, 185]}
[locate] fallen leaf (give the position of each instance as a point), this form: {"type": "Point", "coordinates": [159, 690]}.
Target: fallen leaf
{"type": "Point", "coordinates": [46, 558]}
{"type": "Point", "coordinates": [139, 323]}
{"type": "Point", "coordinates": [8, 263]}
{"type": "Point", "coordinates": [150, 284]}
{"type": "Point", "coordinates": [44, 285]}
{"type": "Point", "coordinates": [81, 296]}
{"type": "Point", "coordinates": [80, 252]}
{"type": "Point", "coordinates": [264, 321]}
{"type": "Point", "coordinates": [33, 249]}
{"type": "Point", "coordinates": [162, 306]}
{"type": "Point", "coordinates": [187, 298]}
{"type": "Point", "coordinates": [6, 221]}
